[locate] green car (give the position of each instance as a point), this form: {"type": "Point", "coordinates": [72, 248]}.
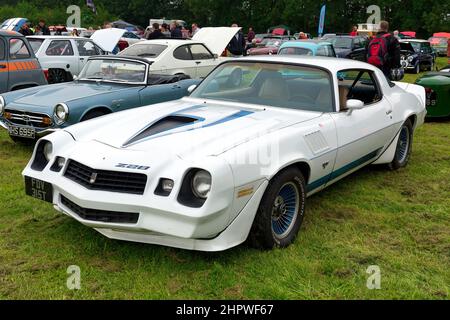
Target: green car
{"type": "Point", "coordinates": [437, 87]}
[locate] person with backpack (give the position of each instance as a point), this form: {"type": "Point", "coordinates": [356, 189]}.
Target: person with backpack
{"type": "Point", "coordinates": [384, 51]}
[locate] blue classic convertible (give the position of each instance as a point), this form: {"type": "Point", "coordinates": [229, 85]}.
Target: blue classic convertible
{"type": "Point", "coordinates": [106, 84]}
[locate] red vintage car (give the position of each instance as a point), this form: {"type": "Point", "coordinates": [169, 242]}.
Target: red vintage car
{"type": "Point", "coordinates": [269, 45]}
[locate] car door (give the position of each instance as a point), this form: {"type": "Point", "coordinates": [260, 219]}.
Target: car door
{"type": "Point", "coordinates": [203, 58]}
{"type": "Point", "coordinates": [183, 62]}
{"type": "Point", "coordinates": [362, 134]}
{"type": "Point", "coordinates": [359, 51]}
{"type": "Point", "coordinates": [4, 74]}
{"type": "Point", "coordinates": [86, 48]}
{"type": "Point", "coordinates": [22, 64]}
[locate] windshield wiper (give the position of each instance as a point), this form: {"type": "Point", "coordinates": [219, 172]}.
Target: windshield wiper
{"type": "Point", "coordinates": [93, 78]}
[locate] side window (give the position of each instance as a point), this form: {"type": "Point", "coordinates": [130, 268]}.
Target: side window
{"type": "Point", "coordinates": [358, 84]}
{"type": "Point", "coordinates": [2, 49]}
{"type": "Point", "coordinates": [87, 48]}
{"type": "Point", "coordinates": [182, 53]}
{"type": "Point", "coordinates": [325, 51]}
{"type": "Point", "coordinates": [357, 43]}
{"type": "Point", "coordinates": [59, 48]}
{"type": "Point", "coordinates": [199, 52]}
{"type": "Point", "coordinates": [18, 49]}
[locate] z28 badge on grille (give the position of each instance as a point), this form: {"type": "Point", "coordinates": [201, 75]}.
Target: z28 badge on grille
{"type": "Point", "coordinates": [132, 166]}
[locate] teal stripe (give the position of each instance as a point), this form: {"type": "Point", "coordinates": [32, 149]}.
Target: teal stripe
{"type": "Point", "coordinates": [341, 171]}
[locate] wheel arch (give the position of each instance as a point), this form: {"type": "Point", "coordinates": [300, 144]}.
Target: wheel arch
{"type": "Point", "coordinates": [302, 165]}
{"type": "Point", "coordinates": [104, 109]}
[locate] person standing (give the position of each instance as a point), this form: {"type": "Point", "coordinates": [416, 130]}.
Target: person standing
{"type": "Point", "coordinates": [354, 31]}
{"type": "Point", "coordinates": [165, 30]}
{"type": "Point", "coordinates": [250, 35]}
{"type": "Point", "coordinates": [156, 33]}
{"type": "Point", "coordinates": [384, 50]}
{"type": "Point", "coordinates": [236, 47]}
{"type": "Point", "coordinates": [45, 31]}
{"type": "Point", "coordinates": [195, 29]}
{"type": "Point", "coordinates": [175, 32]}
{"type": "Point", "coordinates": [25, 30]}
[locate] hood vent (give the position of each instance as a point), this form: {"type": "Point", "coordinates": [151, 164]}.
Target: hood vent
{"type": "Point", "coordinates": [162, 125]}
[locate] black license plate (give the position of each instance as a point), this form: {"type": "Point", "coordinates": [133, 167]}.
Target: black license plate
{"type": "Point", "coordinates": [23, 132]}
{"type": "Point", "coordinates": [39, 189]}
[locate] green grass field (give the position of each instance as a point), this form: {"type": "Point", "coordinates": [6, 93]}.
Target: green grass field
{"type": "Point", "coordinates": [399, 221]}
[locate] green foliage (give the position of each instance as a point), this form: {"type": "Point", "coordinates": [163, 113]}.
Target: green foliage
{"type": "Point", "coordinates": [423, 16]}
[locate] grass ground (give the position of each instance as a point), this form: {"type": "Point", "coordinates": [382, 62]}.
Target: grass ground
{"type": "Point", "coordinates": [399, 221]}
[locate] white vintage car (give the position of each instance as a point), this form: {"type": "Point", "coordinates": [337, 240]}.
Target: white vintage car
{"type": "Point", "coordinates": [195, 58]}
{"type": "Point", "coordinates": [234, 160]}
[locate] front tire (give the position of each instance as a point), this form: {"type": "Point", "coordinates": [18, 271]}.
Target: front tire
{"type": "Point", "coordinates": [404, 147]}
{"type": "Point", "coordinates": [417, 69]}
{"type": "Point", "coordinates": [280, 213]}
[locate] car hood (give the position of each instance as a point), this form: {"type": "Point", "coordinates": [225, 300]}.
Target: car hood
{"type": "Point", "coordinates": [49, 96]}
{"type": "Point", "coordinates": [216, 39]}
{"type": "Point", "coordinates": [107, 39]}
{"type": "Point", "coordinates": [186, 127]}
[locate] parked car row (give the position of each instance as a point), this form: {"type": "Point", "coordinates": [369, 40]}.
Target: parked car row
{"type": "Point", "coordinates": [169, 175]}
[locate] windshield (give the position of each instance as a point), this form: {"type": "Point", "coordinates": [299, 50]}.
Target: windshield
{"type": "Point", "coordinates": [35, 44]}
{"type": "Point", "coordinates": [114, 70]}
{"type": "Point", "coordinates": [296, 51]}
{"type": "Point", "coordinates": [341, 42]}
{"type": "Point", "coordinates": [269, 84]}
{"type": "Point", "coordinates": [144, 50]}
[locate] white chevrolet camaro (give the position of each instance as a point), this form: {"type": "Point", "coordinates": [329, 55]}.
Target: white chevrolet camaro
{"type": "Point", "coordinates": [235, 160]}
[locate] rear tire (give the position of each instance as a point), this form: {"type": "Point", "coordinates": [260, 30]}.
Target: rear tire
{"type": "Point", "coordinates": [404, 147]}
{"type": "Point", "coordinates": [57, 76]}
{"type": "Point", "coordinates": [280, 213]}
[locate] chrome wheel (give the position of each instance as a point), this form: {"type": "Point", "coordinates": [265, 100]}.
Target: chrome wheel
{"type": "Point", "coordinates": [285, 209]}
{"type": "Point", "coordinates": [403, 144]}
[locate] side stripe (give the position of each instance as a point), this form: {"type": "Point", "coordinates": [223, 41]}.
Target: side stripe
{"type": "Point", "coordinates": [341, 171]}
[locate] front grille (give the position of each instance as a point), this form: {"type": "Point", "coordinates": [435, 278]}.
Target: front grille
{"type": "Point", "coordinates": [31, 119]}
{"type": "Point", "coordinates": [100, 215]}
{"type": "Point", "coordinates": [113, 181]}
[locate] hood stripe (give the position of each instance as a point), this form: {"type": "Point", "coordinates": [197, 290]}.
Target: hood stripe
{"type": "Point", "coordinates": [235, 116]}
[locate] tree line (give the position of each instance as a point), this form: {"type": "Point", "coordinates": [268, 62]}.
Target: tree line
{"type": "Point", "coordinates": [423, 16]}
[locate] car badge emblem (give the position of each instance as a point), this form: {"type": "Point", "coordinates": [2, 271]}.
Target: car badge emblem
{"type": "Point", "coordinates": [93, 178]}
{"type": "Point", "coordinates": [25, 118]}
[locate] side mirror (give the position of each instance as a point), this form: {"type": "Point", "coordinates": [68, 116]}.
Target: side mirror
{"type": "Point", "coordinates": [191, 88]}
{"type": "Point", "coordinates": [216, 56]}
{"type": "Point", "coordinates": [75, 78]}
{"type": "Point", "coordinates": [354, 104]}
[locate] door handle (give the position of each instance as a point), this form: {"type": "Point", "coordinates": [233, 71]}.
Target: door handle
{"type": "Point", "coordinates": [198, 62]}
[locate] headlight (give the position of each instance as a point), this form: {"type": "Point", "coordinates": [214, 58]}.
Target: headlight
{"type": "Point", "coordinates": [410, 59]}
{"type": "Point", "coordinates": [201, 184]}
{"type": "Point", "coordinates": [47, 151]}
{"type": "Point", "coordinates": [2, 105]}
{"type": "Point", "coordinates": [61, 113]}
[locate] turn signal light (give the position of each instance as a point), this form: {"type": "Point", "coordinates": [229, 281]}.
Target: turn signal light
{"type": "Point", "coordinates": [47, 121]}
{"type": "Point", "coordinates": [7, 115]}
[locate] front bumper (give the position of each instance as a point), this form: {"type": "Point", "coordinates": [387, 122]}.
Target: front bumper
{"type": "Point", "coordinates": [39, 132]}
{"type": "Point", "coordinates": [162, 220]}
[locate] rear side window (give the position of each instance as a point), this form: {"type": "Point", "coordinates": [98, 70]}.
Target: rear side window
{"type": "Point", "coordinates": [296, 51]}
{"type": "Point", "coordinates": [2, 49]}
{"type": "Point", "coordinates": [87, 48]}
{"type": "Point", "coordinates": [18, 49]}
{"type": "Point", "coordinates": [325, 51]}
{"type": "Point", "coordinates": [59, 48]}
{"type": "Point", "coordinates": [199, 52]}
{"type": "Point", "coordinates": [35, 44]}
{"type": "Point", "coordinates": [182, 53]}
{"type": "Point", "coordinates": [360, 84]}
